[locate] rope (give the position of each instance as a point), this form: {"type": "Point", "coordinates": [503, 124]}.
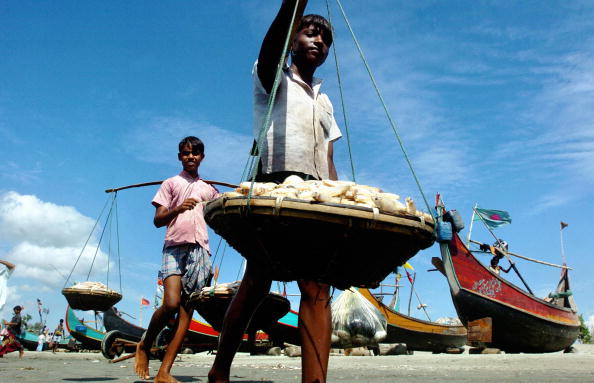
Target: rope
{"type": "Point", "coordinates": [392, 124]}
{"type": "Point", "coordinates": [118, 241]}
{"type": "Point", "coordinates": [344, 116]}
{"type": "Point", "coordinates": [271, 99]}
{"type": "Point", "coordinates": [221, 261]}
{"type": "Point", "coordinates": [240, 268]}
{"type": "Point", "coordinates": [109, 222]}
{"type": "Point", "coordinates": [86, 242]}
{"type": "Point", "coordinates": [100, 239]}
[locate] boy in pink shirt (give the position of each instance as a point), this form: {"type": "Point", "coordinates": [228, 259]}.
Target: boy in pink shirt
{"type": "Point", "coordinates": [186, 263]}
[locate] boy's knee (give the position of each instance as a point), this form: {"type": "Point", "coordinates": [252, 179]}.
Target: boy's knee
{"type": "Point", "coordinates": [313, 291]}
{"type": "Point", "coordinates": [171, 306]}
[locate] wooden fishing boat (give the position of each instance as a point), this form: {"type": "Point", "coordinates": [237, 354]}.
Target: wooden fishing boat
{"type": "Point", "coordinates": [417, 334]}
{"type": "Point", "coordinates": [212, 303]}
{"type": "Point", "coordinates": [89, 337]}
{"type": "Point", "coordinates": [501, 315]}
{"type": "Point", "coordinates": [30, 340]}
{"type": "Point", "coordinates": [112, 321]}
{"type": "Point", "coordinates": [200, 336]}
{"type": "Point", "coordinates": [285, 330]}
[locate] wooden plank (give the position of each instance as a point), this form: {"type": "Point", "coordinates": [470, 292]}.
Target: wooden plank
{"type": "Point", "coordinates": [480, 330]}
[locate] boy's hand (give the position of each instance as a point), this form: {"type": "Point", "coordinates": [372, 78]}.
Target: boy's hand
{"type": "Point", "coordinates": [188, 204]}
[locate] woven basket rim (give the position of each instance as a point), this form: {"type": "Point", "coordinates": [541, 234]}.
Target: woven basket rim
{"type": "Point", "coordinates": [278, 206]}
{"type": "Point", "coordinates": [77, 291]}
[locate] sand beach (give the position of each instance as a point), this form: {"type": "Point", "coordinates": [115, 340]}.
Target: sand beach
{"type": "Point", "coordinates": [419, 367]}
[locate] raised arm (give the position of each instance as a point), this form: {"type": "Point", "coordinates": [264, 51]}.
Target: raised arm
{"type": "Point", "coordinates": [8, 264]}
{"type": "Point", "coordinates": [272, 46]}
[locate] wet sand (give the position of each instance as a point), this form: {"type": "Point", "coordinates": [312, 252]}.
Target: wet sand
{"type": "Point", "coordinates": [420, 367]}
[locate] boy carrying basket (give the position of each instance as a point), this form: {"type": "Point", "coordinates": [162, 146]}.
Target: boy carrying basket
{"type": "Point", "coordinates": [186, 263]}
{"type": "Point", "coordinates": [300, 142]}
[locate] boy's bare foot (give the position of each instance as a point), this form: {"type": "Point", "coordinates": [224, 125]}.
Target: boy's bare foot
{"type": "Point", "coordinates": [141, 361]}
{"type": "Point", "coordinates": [163, 377]}
{"type": "Point", "coordinates": [217, 377]}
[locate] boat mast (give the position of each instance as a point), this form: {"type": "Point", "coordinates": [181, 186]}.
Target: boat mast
{"type": "Point", "coordinates": [563, 225]}
{"type": "Point", "coordinates": [470, 227]}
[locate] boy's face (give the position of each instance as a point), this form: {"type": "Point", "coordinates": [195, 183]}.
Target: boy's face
{"type": "Point", "coordinates": [311, 45]}
{"type": "Point", "coordinates": [190, 159]}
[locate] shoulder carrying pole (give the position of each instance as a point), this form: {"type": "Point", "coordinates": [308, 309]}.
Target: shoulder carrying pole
{"type": "Point", "coordinates": [160, 182]}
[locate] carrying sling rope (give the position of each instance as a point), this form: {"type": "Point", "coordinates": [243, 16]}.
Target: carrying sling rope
{"type": "Point", "coordinates": [107, 226]}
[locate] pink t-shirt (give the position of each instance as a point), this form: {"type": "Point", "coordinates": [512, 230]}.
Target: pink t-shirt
{"type": "Point", "coordinates": [189, 226]}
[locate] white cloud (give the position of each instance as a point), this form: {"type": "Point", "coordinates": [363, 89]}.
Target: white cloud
{"type": "Point", "coordinates": [50, 265]}
{"type": "Point", "coordinates": [45, 240]}
{"type": "Point", "coordinates": [26, 217]}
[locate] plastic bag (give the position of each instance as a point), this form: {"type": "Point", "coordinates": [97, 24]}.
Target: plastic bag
{"type": "Point", "coordinates": [356, 322]}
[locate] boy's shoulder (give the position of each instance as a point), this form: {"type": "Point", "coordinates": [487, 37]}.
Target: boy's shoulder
{"type": "Point", "coordinates": [173, 180]}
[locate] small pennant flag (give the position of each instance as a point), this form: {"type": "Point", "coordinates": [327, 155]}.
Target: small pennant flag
{"type": "Point", "coordinates": [216, 273]}
{"type": "Point", "coordinates": [144, 302]}
{"type": "Point", "coordinates": [408, 266]}
{"type": "Point", "coordinates": [492, 218]}
{"type": "Point", "coordinates": [564, 225]}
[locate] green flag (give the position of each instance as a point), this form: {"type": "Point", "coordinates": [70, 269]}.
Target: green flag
{"type": "Point", "coordinates": [492, 218]}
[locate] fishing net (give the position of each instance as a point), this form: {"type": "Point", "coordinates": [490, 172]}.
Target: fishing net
{"type": "Point", "coordinates": [356, 322]}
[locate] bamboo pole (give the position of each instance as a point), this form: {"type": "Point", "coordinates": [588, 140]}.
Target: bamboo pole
{"type": "Point", "coordinates": [471, 222]}
{"type": "Point", "coordinates": [160, 182]}
{"type": "Point", "coordinates": [527, 258]}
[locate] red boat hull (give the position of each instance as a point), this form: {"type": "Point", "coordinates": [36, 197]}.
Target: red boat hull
{"type": "Point", "coordinates": [521, 322]}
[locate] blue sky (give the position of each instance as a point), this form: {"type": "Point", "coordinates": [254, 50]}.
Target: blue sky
{"type": "Point", "coordinates": [494, 102]}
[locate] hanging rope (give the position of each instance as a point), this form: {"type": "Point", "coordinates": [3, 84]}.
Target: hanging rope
{"type": "Point", "coordinates": [392, 124]}
{"type": "Point", "coordinates": [240, 268]}
{"type": "Point", "coordinates": [344, 117]}
{"type": "Point", "coordinates": [118, 240]}
{"type": "Point", "coordinates": [109, 222]}
{"type": "Point", "coordinates": [271, 99]}
{"type": "Point", "coordinates": [86, 242]}
{"type": "Point", "coordinates": [100, 239]}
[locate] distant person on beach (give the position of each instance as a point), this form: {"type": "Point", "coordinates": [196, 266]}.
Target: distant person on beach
{"type": "Point", "coordinates": [42, 338]}
{"type": "Point", "coordinates": [11, 343]}
{"type": "Point", "coordinates": [58, 335]}
{"type": "Point", "coordinates": [186, 263]}
{"type": "Point", "coordinates": [299, 142]}
{"type": "Point", "coordinates": [6, 269]}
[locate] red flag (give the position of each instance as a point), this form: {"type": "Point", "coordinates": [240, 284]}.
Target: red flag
{"type": "Point", "coordinates": [216, 273]}
{"type": "Point", "coordinates": [409, 277]}
{"type": "Point", "coordinates": [564, 225]}
{"type": "Point", "coordinates": [144, 302]}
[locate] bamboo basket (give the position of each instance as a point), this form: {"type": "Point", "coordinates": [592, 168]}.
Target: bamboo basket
{"type": "Point", "coordinates": [212, 305]}
{"type": "Point", "coordinates": [91, 299]}
{"type": "Point", "coordinates": [342, 245]}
